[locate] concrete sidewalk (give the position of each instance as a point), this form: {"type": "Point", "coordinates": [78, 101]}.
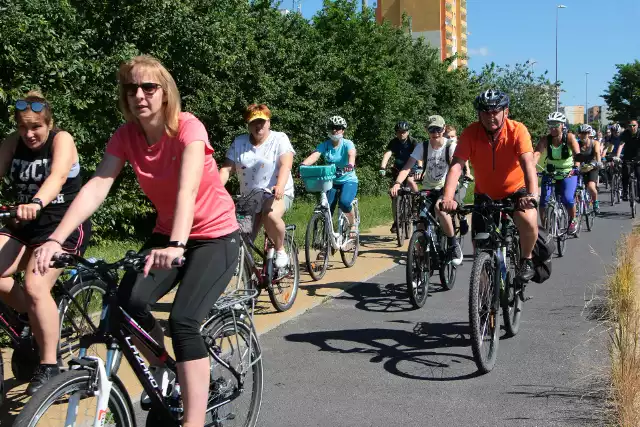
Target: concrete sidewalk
{"type": "Point", "coordinates": [378, 252]}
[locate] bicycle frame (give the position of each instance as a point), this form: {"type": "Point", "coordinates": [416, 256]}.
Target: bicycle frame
{"type": "Point", "coordinates": [116, 327]}
{"type": "Point", "coordinates": [335, 239]}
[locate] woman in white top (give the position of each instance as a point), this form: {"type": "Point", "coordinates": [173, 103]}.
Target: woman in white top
{"type": "Point", "coordinates": [262, 159]}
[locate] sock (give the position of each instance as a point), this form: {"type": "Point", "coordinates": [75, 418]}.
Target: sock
{"type": "Point", "coordinates": [451, 240]}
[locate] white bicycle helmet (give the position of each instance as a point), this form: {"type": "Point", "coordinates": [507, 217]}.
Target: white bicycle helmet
{"type": "Point", "coordinates": [337, 121]}
{"type": "Point", "coordinates": [593, 133]}
{"type": "Point", "coordinates": [616, 128]}
{"type": "Point", "coordinates": [585, 129]}
{"type": "Point", "coordinates": [556, 116]}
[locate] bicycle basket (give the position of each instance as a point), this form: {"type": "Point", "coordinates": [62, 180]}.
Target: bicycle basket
{"type": "Point", "coordinates": [245, 213]}
{"type": "Point", "coordinates": [318, 179]}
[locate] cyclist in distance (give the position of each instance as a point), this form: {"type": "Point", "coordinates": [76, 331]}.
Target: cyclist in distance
{"type": "Point", "coordinates": [400, 148]}
{"type": "Point", "coordinates": [170, 154]}
{"type": "Point", "coordinates": [501, 155]}
{"type": "Point", "coordinates": [43, 168]}
{"type": "Point", "coordinates": [342, 152]}
{"type": "Point", "coordinates": [629, 145]}
{"type": "Point", "coordinates": [590, 154]}
{"type": "Point", "coordinates": [262, 159]}
{"type": "Point", "coordinates": [436, 159]}
{"type": "Point", "coordinates": [560, 149]}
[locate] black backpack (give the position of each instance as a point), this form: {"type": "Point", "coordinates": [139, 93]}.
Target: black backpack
{"type": "Point", "coordinates": [565, 148]}
{"type": "Point", "coordinates": [542, 254]}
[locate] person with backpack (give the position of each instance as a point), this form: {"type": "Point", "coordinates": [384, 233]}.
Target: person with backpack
{"type": "Point", "coordinates": [560, 149]}
{"type": "Point", "coordinates": [436, 155]}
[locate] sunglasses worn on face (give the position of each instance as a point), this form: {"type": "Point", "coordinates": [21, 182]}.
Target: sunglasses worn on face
{"type": "Point", "coordinates": [36, 106]}
{"type": "Point", "coordinates": [554, 125]}
{"type": "Point", "coordinates": [147, 88]}
{"type": "Point", "coordinates": [435, 129]}
{"type": "Point", "coordinates": [634, 126]}
{"type": "Point", "coordinates": [337, 128]}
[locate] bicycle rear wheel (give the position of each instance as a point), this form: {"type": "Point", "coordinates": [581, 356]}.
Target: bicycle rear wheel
{"type": "Point", "coordinates": [316, 246]}
{"type": "Point", "coordinates": [446, 271]}
{"type": "Point", "coordinates": [237, 345]}
{"type": "Point", "coordinates": [613, 189]}
{"type": "Point", "coordinates": [632, 197]}
{"type": "Point", "coordinates": [483, 312]}
{"type": "Point", "coordinates": [49, 406]}
{"type": "Point", "coordinates": [512, 300]}
{"type": "Point", "coordinates": [562, 227]}
{"type": "Point", "coordinates": [350, 246]}
{"type": "Point", "coordinates": [418, 269]}
{"type": "Point", "coordinates": [283, 290]}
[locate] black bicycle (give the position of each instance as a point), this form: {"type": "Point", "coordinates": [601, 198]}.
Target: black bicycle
{"type": "Point", "coordinates": [494, 282]}
{"type": "Point", "coordinates": [428, 251]}
{"type": "Point", "coordinates": [613, 172]}
{"type": "Point", "coordinates": [633, 185]}
{"type": "Point", "coordinates": [72, 293]}
{"type": "Point", "coordinates": [91, 393]}
{"type": "Point", "coordinates": [404, 209]}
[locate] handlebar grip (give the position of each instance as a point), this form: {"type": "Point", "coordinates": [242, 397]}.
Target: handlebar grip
{"type": "Point", "coordinates": [8, 212]}
{"type": "Point", "coordinates": [178, 262]}
{"type": "Point", "coordinates": [62, 260]}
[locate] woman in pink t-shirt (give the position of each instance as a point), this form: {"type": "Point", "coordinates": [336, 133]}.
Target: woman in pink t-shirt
{"type": "Point", "coordinates": [171, 156]}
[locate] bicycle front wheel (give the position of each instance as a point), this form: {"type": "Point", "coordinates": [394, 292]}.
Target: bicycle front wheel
{"type": "Point", "coordinates": [51, 406]}
{"type": "Point", "coordinates": [632, 197]}
{"type": "Point", "coordinates": [316, 246]}
{"type": "Point", "coordinates": [418, 265]}
{"type": "Point", "coordinates": [483, 312]}
{"type": "Point", "coordinates": [350, 245]}
{"type": "Point", "coordinates": [399, 220]}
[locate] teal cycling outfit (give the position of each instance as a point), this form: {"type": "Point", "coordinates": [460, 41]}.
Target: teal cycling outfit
{"type": "Point", "coordinates": [347, 183]}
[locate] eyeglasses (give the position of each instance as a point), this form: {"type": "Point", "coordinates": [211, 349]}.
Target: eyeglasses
{"type": "Point", "coordinates": [435, 129]}
{"type": "Point", "coordinates": [147, 88]}
{"type": "Point", "coordinates": [36, 106]}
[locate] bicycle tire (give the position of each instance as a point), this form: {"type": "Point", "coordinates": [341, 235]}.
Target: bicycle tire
{"type": "Point", "coordinates": [2, 391]}
{"type": "Point", "coordinates": [512, 301]}
{"type": "Point", "coordinates": [618, 189]}
{"type": "Point", "coordinates": [408, 224]}
{"type": "Point", "coordinates": [418, 269]}
{"type": "Point", "coordinates": [222, 327]}
{"type": "Point", "coordinates": [590, 216]}
{"type": "Point", "coordinates": [612, 192]}
{"type": "Point", "coordinates": [632, 197]}
{"type": "Point", "coordinates": [350, 260]}
{"type": "Point", "coordinates": [276, 290]}
{"type": "Point", "coordinates": [483, 262]}
{"type": "Point", "coordinates": [580, 209]}
{"type": "Point", "coordinates": [76, 380]}
{"type": "Point", "coordinates": [76, 288]}
{"type": "Point", "coordinates": [316, 269]}
{"type": "Point", "coordinates": [399, 220]}
{"type": "Point", "coordinates": [562, 227]}
{"type": "Point", "coordinates": [446, 271]}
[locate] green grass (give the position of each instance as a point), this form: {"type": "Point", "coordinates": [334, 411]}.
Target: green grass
{"type": "Point", "coordinates": [374, 211]}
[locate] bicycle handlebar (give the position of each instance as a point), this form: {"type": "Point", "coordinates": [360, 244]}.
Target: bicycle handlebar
{"type": "Point", "coordinates": [8, 211]}
{"type": "Point", "coordinates": [131, 261]}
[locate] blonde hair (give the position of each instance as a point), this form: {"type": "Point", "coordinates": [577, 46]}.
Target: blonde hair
{"type": "Point", "coordinates": [36, 96]}
{"type": "Point", "coordinates": [172, 103]}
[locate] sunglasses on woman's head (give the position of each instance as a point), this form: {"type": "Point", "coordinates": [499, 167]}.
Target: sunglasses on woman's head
{"type": "Point", "coordinates": [435, 129]}
{"type": "Point", "coordinates": [36, 106]}
{"type": "Point", "coordinates": [147, 88]}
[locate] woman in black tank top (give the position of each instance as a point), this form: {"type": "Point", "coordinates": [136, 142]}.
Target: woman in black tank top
{"type": "Point", "coordinates": [43, 167]}
{"type": "Point", "coordinates": [590, 154]}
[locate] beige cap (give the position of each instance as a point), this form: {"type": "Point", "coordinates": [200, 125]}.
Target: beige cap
{"type": "Point", "coordinates": [435, 121]}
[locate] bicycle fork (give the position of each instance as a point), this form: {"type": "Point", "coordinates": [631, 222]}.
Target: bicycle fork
{"type": "Point", "coordinates": [101, 388]}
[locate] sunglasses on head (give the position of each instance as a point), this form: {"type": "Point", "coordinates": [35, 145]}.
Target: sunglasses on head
{"type": "Point", "coordinates": [36, 106]}
{"type": "Point", "coordinates": [435, 129]}
{"type": "Point", "coordinates": [147, 88]}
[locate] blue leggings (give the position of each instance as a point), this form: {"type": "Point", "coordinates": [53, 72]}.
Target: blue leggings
{"type": "Point", "coordinates": [348, 191]}
{"type": "Point", "coordinates": [567, 190]}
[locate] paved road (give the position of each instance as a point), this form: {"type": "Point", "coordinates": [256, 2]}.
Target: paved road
{"type": "Point", "coordinates": [366, 359]}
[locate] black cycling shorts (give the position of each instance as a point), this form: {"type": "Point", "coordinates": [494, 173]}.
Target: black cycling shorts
{"type": "Point", "coordinates": [34, 233]}
{"type": "Point", "coordinates": [591, 176]}
{"type": "Point", "coordinates": [208, 268]}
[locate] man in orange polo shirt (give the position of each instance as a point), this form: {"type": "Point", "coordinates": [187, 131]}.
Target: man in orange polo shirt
{"type": "Point", "coordinates": [501, 155]}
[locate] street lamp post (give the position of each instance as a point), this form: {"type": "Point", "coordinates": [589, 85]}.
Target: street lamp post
{"type": "Point", "coordinates": [558, 7]}
{"type": "Point", "coordinates": [586, 97]}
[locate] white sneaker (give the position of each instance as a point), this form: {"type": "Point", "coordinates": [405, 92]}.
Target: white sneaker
{"type": "Point", "coordinates": [281, 259]}
{"type": "Point", "coordinates": [163, 377]}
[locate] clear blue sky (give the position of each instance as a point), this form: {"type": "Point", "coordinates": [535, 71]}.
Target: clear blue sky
{"type": "Point", "coordinates": [593, 36]}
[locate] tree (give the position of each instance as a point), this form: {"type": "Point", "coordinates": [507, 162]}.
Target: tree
{"type": "Point", "coordinates": [532, 96]}
{"type": "Point", "coordinates": [623, 95]}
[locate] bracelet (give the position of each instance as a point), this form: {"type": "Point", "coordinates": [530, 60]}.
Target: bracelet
{"type": "Point", "coordinates": [49, 239]}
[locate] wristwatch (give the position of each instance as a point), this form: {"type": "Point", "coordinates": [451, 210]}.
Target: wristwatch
{"type": "Point", "coordinates": [37, 202]}
{"type": "Point", "coordinates": [176, 244]}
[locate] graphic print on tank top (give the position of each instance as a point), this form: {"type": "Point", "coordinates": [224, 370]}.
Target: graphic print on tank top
{"type": "Point", "coordinates": [29, 170]}
{"type": "Point", "coordinates": [436, 162]}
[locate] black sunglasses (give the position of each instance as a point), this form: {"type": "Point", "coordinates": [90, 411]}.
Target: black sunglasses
{"type": "Point", "coordinates": [435, 129]}
{"type": "Point", "coordinates": [633, 126]}
{"type": "Point", "coordinates": [36, 106]}
{"type": "Point", "coordinates": [337, 128]}
{"type": "Point", "coordinates": [147, 88]}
